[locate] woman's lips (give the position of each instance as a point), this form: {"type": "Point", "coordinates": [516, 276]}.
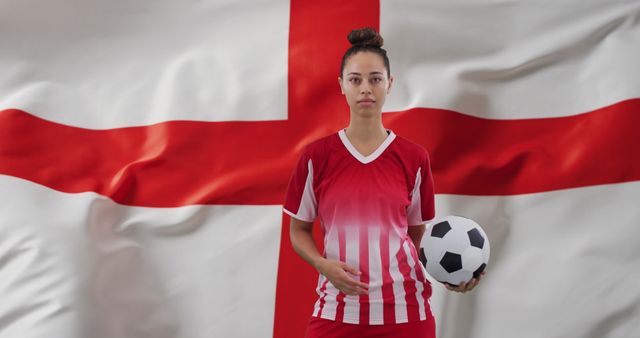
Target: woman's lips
{"type": "Point", "coordinates": [366, 102]}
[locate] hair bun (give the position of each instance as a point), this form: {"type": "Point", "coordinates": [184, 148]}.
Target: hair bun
{"type": "Point", "coordinates": [365, 36]}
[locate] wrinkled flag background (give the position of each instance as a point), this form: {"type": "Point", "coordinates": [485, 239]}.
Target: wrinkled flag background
{"type": "Point", "coordinates": [145, 148]}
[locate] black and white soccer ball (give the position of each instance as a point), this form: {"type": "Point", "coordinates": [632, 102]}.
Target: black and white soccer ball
{"type": "Point", "coordinates": [454, 249]}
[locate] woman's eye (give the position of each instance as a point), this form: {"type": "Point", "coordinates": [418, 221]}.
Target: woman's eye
{"type": "Point", "coordinates": [354, 80]}
{"type": "Point", "coordinates": [376, 80]}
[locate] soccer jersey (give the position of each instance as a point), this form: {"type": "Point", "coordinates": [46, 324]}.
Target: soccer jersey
{"type": "Point", "coordinates": [365, 205]}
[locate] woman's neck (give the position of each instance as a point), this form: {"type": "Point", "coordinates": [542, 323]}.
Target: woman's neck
{"type": "Point", "coordinates": [366, 129]}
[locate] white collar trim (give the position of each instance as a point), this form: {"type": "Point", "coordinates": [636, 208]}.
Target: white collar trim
{"type": "Point", "coordinates": [372, 156]}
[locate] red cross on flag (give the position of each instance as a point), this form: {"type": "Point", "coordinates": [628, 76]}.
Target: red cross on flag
{"type": "Point", "coordinates": [145, 148]}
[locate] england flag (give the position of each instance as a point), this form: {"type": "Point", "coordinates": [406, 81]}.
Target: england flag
{"type": "Point", "coordinates": [145, 149]}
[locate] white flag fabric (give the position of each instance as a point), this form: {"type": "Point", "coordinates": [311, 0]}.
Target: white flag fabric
{"type": "Point", "coordinates": [99, 65]}
{"type": "Point", "coordinates": [145, 149]}
{"type": "Point", "coordinates": [511, 59]}
{"type": "Point", "coordinates": [80, 265]}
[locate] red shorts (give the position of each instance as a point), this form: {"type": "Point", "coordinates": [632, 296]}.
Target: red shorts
{"type": "Point", "coordinates": [324, 328]}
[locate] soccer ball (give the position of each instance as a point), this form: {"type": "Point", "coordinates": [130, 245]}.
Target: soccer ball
{"type": "Point", "coordinates": [454, 249]}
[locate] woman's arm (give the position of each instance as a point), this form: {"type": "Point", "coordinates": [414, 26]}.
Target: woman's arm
{"type": "Point", "coordinates": [415, 232]}
{"type": "Point", "coordinates": [337, 272]}
{"type": "Point", "coordinates": [303, 243]}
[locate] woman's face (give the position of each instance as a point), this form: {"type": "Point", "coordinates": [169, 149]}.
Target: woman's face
{"type": "Point", "coordinates": [365, 83]}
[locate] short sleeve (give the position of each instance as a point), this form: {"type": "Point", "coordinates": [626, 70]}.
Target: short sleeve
{"type": "Point", "coordinates": [300, 200]}
{"type": "Point", "coordinates": [422, 207]}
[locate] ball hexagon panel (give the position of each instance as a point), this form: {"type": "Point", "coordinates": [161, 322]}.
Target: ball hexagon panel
{"type": "Point", "coordinates": [441, 229]}
{"type": "Point", "coordinates": [456, 240]}
{"type": "Point", "coordinates": [475, 238]}
{"type": "Point", "coordinates": [471, 258]}
{"type": "Point", "coordinates": [451, 262]}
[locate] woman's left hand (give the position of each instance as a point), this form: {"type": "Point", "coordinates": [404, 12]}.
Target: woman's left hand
{"type": "Point", "coordinates": [465, 287]}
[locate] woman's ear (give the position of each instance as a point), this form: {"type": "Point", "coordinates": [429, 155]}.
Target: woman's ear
{"type": "Point", "coordinates": [340, 83]}
{"type": "Point", "coordinates": [390, 84]}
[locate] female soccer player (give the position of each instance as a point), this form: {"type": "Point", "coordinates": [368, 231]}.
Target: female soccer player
{"type": "Point", "coordinates": [373, 192]}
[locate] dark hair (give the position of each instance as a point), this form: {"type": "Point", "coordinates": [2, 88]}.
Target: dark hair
{"type": "Point", "coordinates": [365, 40]}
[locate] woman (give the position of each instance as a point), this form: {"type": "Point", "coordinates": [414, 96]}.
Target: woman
{"type": "Point", "coordinates": [373, 193]}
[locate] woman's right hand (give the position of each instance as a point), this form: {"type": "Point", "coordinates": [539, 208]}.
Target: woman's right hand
{"type": "Point", "coordinates": [338, 273]}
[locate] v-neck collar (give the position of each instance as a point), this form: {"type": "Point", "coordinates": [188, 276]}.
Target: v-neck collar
{"type": "Point", "coordinates": [366, 159]}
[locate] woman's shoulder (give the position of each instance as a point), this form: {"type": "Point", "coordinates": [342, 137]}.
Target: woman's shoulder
{"type": "Point", "coordinates": [410, 148]}
{"type": "Point", "coordinates": [321, 146]}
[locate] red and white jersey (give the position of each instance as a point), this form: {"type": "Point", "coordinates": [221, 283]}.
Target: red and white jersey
{"type": "Point", "coordinates": [365, 205]}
